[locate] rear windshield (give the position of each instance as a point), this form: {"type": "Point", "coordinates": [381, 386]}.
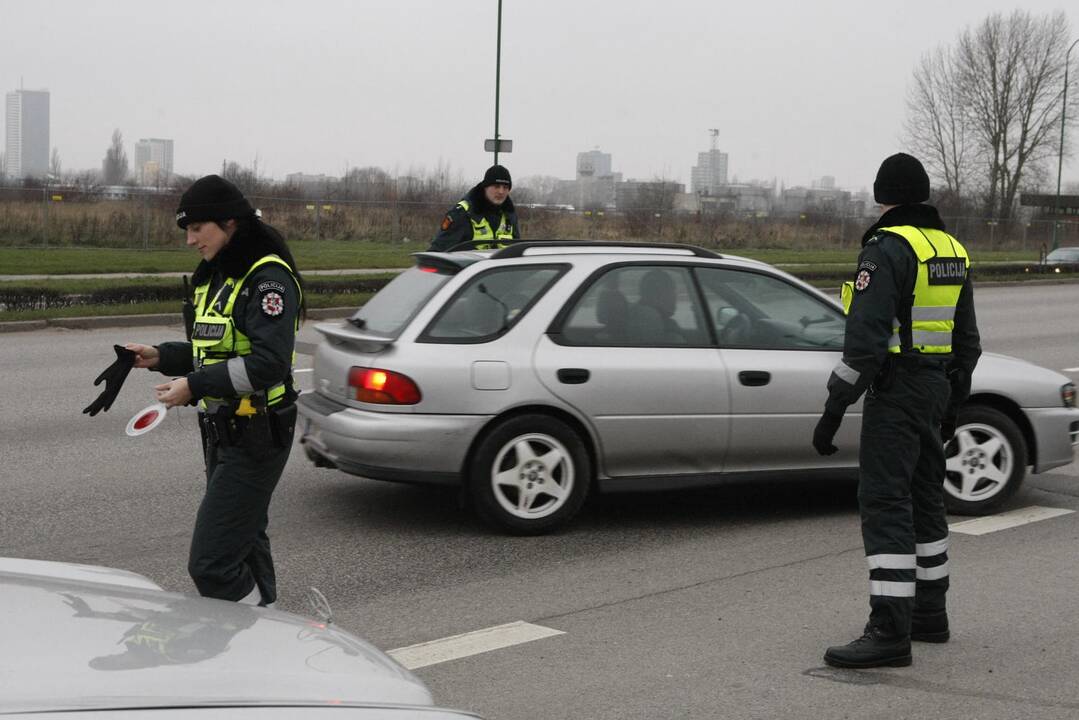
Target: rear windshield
{"type": "Point", "coordinates": [1064, 255]}
{"type": "Point", "coordinates": [392, 307]}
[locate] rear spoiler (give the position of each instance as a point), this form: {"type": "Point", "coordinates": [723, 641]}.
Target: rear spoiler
{"type": "Point", "coordinates": [345, 334]}
{"type": "Point", "coordinates": [446, 263]}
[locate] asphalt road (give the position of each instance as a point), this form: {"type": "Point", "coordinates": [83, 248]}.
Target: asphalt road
{"type": "Point", "coordinates": [701, 604]}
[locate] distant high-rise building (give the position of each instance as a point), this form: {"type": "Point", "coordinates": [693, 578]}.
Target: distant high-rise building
{"type": "Point", "coordinates": [710, 172]}
{"type": "Point", "coordinates": [593, 164]}
{"type": "Point", "coordinates": [26, 139]}
{"type": "Point", "coordinates": [595, 180]}
{"type": "Point", "coordinates": [827, 182]}
{"type": "Point", "coordinates": [153, 161]}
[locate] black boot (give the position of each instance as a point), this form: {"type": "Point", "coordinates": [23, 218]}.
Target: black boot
{"type": "Point", "coordinates": [875, 648]}
{"type": "Point", "coordinates": [930, 627]}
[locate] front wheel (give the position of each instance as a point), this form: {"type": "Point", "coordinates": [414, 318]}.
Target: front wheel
{"type": "Point", "coordinates": [985, 461]}
{"type": "Point", "coordinates": [529, 474]}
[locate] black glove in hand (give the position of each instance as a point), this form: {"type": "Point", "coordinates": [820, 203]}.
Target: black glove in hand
{"type": "Point", "coordinates": [114, 376]}
{"type": "Point", "coordinates": [947, 428]}
{"type": "Point", "coordinates": [825, 431]}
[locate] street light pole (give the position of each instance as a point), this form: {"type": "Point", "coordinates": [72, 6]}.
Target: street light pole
{"type": "Point", "coordinates": [497, 77]}
{"type": "Point", "coordinates": [1060, 158]}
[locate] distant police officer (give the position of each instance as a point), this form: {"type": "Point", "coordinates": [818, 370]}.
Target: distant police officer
{"type": "Point", "coordinates": [485, 215]}
{"type": "Point", "coordinates": [911, 344]}
{"type": "Point", "coordinates": [237, 363]}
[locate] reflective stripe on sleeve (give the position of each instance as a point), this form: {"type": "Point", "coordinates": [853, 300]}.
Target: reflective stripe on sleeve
{"type": "Point", "coordinates": [846, 373]}
{"type": "Point", "coordinates": [891, 562]}
{"type": "Point", "coordinates": [930, 549]}
{"type": "Point", "coordinates": [886, 588]}
{"type": "Point", "coordinates": [241, 383]}
{"type": "Point", "coordinates": [932, 573]}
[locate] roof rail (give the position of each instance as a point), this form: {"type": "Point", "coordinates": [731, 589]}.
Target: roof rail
{"type": "Point", "coordinates": [518, 249]}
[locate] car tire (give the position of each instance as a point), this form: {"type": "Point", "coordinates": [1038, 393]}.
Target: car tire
{"type": "Point", "coordinates": [986, 461]}
{"type": "Point", "coordinates": [529, 475]}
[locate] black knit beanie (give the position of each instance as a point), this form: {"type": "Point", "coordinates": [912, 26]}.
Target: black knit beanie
{"type": "Point", "coordinates": [901, 180]}
{"type": "Point", "coordinates": [497, 175]}
{"type": "Point", "coordinates": [212, 198]}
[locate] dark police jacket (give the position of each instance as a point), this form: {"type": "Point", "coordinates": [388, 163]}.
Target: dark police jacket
{"type": "Point", "coordinates": [891, 267]}
{"type": "Point", "coordinates": [266, 312]}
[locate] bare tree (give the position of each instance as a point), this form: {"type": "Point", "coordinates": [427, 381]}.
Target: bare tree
{"type": "Point", "coordinates": [1011, 70]}
{"type": "Point", "coordinates": [55, 166]}
{"type": "Point", "coordinates": [114, 167]}
{"type": "Point", "coordinates": [938, 128]}
{"type": "Point", "coordinates": [991, 105]}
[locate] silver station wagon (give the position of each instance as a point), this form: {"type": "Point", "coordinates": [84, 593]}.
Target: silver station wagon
{"type": "Point", "coordinates": [537, 373]}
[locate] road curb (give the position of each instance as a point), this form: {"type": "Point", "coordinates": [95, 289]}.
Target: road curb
{"type": "Point", "coordinates": [108, 321]}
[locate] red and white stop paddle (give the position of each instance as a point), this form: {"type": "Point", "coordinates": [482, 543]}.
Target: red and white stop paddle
{"type": "Point", "coordinates": [146, 419]}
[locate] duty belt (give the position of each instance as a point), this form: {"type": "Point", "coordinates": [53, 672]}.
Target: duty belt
{"type": "Point", "coordinates": [922, 359]}
{"type": "Point", "coordinates": [223, 429]}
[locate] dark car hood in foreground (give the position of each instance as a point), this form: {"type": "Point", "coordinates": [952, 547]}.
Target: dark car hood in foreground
{"type": "Point", "coordinates": [116, 641]}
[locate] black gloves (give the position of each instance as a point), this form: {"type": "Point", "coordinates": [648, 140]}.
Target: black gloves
{"type": "Point", "coordinates": [947, 428]}
{"type": "Point", "coordinates": [825, 431]}
{"type": "Point", "coordinates": [114, 376]}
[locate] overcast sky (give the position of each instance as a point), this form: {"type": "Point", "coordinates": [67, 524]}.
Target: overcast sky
{"type": "Point", "coordinates": [797, 89]}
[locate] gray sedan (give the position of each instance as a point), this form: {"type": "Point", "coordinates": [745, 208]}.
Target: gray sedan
{"type": "Point", "coordinates": [92, 642]}
{"type": "Point", "coordinates": [534, 374]}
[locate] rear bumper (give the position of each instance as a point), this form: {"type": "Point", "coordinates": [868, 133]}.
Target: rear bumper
{"type": "Point", "coordinates": [402, 447]}
{"type": "Point", "coordinates": [1056, 431]}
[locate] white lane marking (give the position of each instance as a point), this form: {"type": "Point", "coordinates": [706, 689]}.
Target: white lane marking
{"type": "Point", "coordinates": [1010, 519]}
{"type": "Point", "coordinates": [1075, 369]}
{"type": "Point", "coordinates": [470, 643]}
{"type": "Point", "coordinates": [300, 370]}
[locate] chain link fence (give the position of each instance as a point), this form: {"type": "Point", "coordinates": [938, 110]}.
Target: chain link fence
{"type": "Point", "coordinates": [133, 218]}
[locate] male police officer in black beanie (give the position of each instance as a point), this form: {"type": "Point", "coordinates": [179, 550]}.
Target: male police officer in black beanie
{"type": "Point", "coordinates": [484, 218]}
{"type": "Point", "coordinates": [911, 345]}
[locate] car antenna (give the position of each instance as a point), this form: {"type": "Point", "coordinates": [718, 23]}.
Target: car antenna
{"type": "Point", "coordinates": [505, 308]}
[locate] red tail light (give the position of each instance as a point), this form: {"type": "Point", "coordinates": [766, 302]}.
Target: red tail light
{"type": "Point", "coordinates": [385, 387]}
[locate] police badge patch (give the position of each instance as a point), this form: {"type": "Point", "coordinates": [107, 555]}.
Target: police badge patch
{"type": "Point", "coordinates": [272, 304]}
{"type": "Point", "coordinates": [447, 222]}
{"type": "Point", "coordinates": [862, 281]}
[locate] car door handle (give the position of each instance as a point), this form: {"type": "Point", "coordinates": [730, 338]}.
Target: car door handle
{"type": "Point", "coordinates": [754, 378]}
{"type": "Point", "coordinates": [573, 376]}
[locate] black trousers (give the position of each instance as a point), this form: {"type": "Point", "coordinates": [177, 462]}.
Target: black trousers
{"type": "Point", "coordinates": [901, 493]}
{"type": "Point", "coordinates": [230, 550]}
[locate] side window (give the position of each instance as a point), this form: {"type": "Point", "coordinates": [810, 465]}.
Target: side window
{"type": "Point", "coordinates": [490, 304]}
{"type": "Point", "coordinates": [750, 309]}
{"type": "Point", "coordinates": [638, 306]}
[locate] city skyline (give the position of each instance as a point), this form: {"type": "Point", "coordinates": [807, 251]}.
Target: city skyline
{"type": "Point", "coordinates": [796, 92]}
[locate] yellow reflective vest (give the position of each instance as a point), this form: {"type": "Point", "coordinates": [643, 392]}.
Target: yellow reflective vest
{"type": "Point", "coordinates": [215, 337]}
{"type": "Point", "coordinates": [483, 235]}
{"type": "Point", "coordinates": [943, 265]}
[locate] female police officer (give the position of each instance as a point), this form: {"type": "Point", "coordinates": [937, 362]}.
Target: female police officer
{"type": "Point", "coordinates": [237, 363]}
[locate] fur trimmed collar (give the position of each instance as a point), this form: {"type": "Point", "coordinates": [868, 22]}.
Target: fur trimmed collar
{"type": "Point", "coordinates": [234, 260]}
{"type": "Point", "coordinates": [918, 215]}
